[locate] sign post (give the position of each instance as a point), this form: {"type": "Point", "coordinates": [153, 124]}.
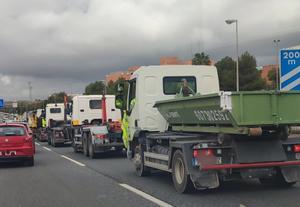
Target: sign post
{"type": "Point", "coordinates": [290, 69]}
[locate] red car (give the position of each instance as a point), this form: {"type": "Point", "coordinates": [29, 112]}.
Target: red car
{"type": "Point", "coordinates": [16, 144]}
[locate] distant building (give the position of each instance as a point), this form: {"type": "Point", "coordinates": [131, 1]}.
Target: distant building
{"type": "Point", "coordinates": [114, 76]}
{"type": "Point", "coordinates": [172, 60]}
{"type": "Point", "coordinates": [265, 72]}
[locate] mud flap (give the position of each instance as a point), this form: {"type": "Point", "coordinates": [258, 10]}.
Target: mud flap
{"type": "Point", "coordinates": [205, 180]}
{"type": "Point", "coordinates": [201, 179]}
{"type": "Point", "coordinates": [259, 150]}
{"type": "Point", "coordinates": [291, 173]}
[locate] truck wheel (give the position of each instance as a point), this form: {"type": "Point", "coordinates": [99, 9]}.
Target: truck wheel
{"type": "Point", "coordinates": [91, 150]}
{"type": "Point", "coordinates": [277, 180]}
{"type": "Point", "coordinates": [138, 159]}
{"type": "Point", "coordinates": [49, 139]}
{"type": "Point", "coordinates": [53, 142]}
{"type": "Point", "coordinates": [181, 179]}
{"type": "Point", "coordinates": [75, 147]}
{"type": "Point", "coordinates": [85, 147]}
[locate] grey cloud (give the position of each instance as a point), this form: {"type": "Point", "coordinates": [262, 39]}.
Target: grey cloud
{"type": "Point", "coordinates": [54, 43]}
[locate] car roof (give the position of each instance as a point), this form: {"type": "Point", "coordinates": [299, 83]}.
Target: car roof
{"type": "Point", "coordinates": [12, 124]}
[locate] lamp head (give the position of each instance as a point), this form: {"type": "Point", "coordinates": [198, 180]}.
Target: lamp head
{"type": "Point", "coordinates": [230, 21]}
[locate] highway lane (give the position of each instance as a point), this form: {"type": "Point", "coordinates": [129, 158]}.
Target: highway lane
{"type": "Point", "coordinates": [55, 181]}
{"type": "Point", "coordinates": [159, 184]}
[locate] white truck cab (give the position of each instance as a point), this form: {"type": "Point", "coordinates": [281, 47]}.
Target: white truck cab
{"type": "Point", "coordinates": [54, 111]}
{"type": "Point", "coordinates": [149, 84]}
{"type": "Point", "coordinates": [89, 107]}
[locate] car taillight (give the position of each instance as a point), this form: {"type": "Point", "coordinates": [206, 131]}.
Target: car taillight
{"type": "Point", "coordinates": [100, 136]}
{"type": "Point", "coordinates": [296, 148]}
{"type": "Point", "coordinates": [196, 153]}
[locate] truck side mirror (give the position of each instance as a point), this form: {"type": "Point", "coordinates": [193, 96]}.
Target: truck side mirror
{"type": "Point", "coordinates": [69, 108]}
{"type": "Point", "coordinates": [119, 102]}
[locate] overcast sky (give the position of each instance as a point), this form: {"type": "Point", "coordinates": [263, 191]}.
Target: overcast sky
{"type": "Point", "coordinates": [62, 45]}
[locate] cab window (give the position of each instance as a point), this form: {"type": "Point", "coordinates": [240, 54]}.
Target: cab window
{"type": "Point", "coordinates": [95, 104]}
{"type": "Point", "coordinates": [173, 84]}
{"type": "Point", "coordinates": [55, 110]}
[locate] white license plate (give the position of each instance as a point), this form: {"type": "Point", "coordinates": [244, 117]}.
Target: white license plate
{"type": "Point", "coordinates": [298, 156]}
{"type": "Point", "coordinates": [8, 153]}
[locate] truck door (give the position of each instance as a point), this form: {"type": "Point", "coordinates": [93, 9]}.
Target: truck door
{"type": "Point", "coordinates": [132, 108]}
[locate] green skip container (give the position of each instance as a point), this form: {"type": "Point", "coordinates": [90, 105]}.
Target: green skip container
{"type": "Point", "coordinates": [232, 112]}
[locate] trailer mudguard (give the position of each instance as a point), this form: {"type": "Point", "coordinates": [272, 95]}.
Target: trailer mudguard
{"type": "Point", "coordinates": [291, 173]}
{"type": "Point", "coordinates": [201, 179]}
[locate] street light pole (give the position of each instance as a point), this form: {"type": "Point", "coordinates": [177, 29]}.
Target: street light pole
{"type": "Point", "coordinates": [277, 63]}
{"type": "Point", "coordinates": [230, 21]}
{"type": "Point", "coordinates": [105, 86]}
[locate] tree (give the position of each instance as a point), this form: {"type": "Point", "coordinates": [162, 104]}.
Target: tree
{"type": "Point", "coordinates": [94, 88]}
{"type": "Point", "coordinates": [249, 76]}
{"type": "Point", "coordinates": [57, 98]}
{"type": "Point", "coordinates": [201, 59]}
{"type": "Point", "coordinates": [227, 74]}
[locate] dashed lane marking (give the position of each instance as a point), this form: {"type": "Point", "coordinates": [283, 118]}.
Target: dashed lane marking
{"type": "Point", "coordinates": [145, 195]}
{"type": "Point", "coordinates": [38, 144]}
{"type": "Point", "coordinates": [74, 161]}
{"type": "Point", "coordinates": [46, 148]}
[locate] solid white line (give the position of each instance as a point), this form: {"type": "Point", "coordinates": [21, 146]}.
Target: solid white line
{"type": "Point", "coordinates": [38, 144]}
{"type": "Point", "coordinates": [76, 162]}
{"type": "Point", "coordinates": [145, 195]}
{"type": "Point", "coordinates": [46, 148]}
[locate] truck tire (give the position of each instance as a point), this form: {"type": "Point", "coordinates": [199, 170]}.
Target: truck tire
{"type": "Point", "coordinates": [181, 180]}
{"type": "Point", "coordinates": [92, 154]}
{"type": "Point", "coordinates": [140, 169]}
{"type": "Point", "coordinates": [75, 147]}
{"type": "Point", "coordinates": [49, 141]}
{"type": "Point", "coordinates": [277, 180]}
{"type": "Point", "coordinates": [85, 146]}
{"type": "Point", "coordinates": [53, 142]}
{"type": "Point", "coordinates": [49, 138]}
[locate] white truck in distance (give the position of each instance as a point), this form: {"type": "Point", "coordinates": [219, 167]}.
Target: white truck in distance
{"type": "Point", "coordinates": [88, 108]}
{"type": "Point", "coordinates": [54, 112]}
{"type": "Point", "coordinates": [93, 131]}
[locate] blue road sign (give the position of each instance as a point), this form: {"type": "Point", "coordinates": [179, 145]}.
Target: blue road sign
{"type": "Point", "coordinates": [290, 69]}
{"type": "Point", "coordinates": [1, 103]}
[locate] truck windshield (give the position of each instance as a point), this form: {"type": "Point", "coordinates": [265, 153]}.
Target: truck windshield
{"type": "Point", "coordinates": [55, 110]}
{"type": "Point", "coordinates": [11, 131]}
{"type": "Point", "coordinates": [173, 84]}
{"type": "Point", "coordinates": [95, 104]}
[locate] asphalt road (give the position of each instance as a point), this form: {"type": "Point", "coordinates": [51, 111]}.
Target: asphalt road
{"type": "Point", "coordinates": [61, 177]}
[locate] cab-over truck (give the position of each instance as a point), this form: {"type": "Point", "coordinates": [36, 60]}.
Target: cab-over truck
{"type": "Point", "coordinates": [212, 136]}
{"type": "Point", "coordinates": [95, 124]}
